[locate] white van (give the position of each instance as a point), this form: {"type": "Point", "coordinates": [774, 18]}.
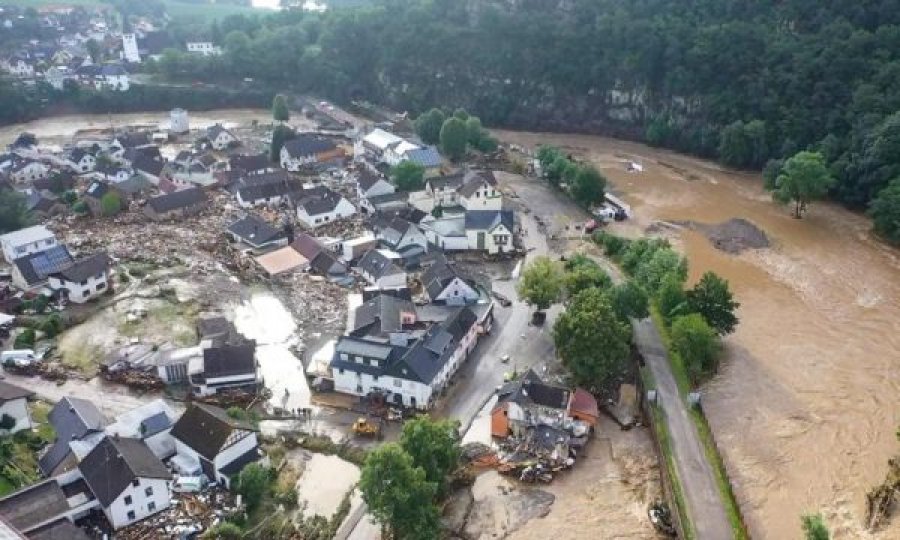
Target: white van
{"type": "Point", "coordinates": [18, 357]}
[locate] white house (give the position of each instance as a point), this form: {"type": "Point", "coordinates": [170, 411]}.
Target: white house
{"type": "Point", "coordinates": [380, 271]}
{"type": "Point", "coordinates": [130, 51]}
{"type": "Point", "coordinates": [319, 206]}
{"type": "Point", "coordinates": [84, 280]}
{"type": "Point", "coordinates": [479, 192]}
{"type": "Point", "coordinates": [305, 150]}
{"type": "Point", "coordinates": [81, 160]}
{"type": "Point", "coordinates": [19, 67]}
{"type": "Point", "coordinates": [219, 137]}
{"type": "Point", "coordinates": [14, 414]}
{"type": "Point", "coordinates": [490, 231]}
{"type": "Point", "coordinates": [397, 152]}
{"type": "Point", "coordinates": [397, 233]}
{"type": "Point", "coordinates": [444, 189]}
{"type": "Point", "coordinates": [448, 233]}
{"type": "Point", "coordinates": [210, 442]}
{"type": "Point", "coordinates": [205, 48]}
{"type": "Point", "coordinates": [445, 285]}
{"type": "Point", "coordinates": [113, 77]}
{"type": "Point", "coordinates": [28, 170]}
{"type": "Point", "coordinates": [375, 144]}
{"type": "Point", "coordinates": [369, 184]}
{"type": "Point", "coordinates": [152, 423]}
{"type": "Point", "coordinates": [26, 241]}
{"type": "Point", "coordinates": [129, 482]}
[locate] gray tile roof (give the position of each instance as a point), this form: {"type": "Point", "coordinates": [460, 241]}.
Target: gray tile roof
{"type": "Point", "coordinates": [308, 145]}
{"type": "Point", "coordinates": [488, 220]}
{"type": "Point", "coordinates": [381, 315]}
{"type": "Point", "coordinates": [439, 275]}
{"type": "Point", "coordinates": [184, 198]}
{"type": "Point", "coordinates": [72, 419]}
{"type": "Point", "coordinates": [11, 392]}
{"type": "Point", "coordinates": [377, 265]}
{"type": "Point", "coordinates": [117, 461]}
{"type": "Point", "coordinates": [33, 505]}
{"type": "Point", "coordinates": [205, 429]}
{"type": "Point", "coordinates": [85, 268]}
{"type": "Point", "coordinates": [428, 157]}
{"type": "Point", "coordinates": [229, 360]}
{"type": "Point", "coordinates": [255, 231]}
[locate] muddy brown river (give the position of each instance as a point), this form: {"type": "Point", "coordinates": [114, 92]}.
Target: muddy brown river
{"type": "Point", "coordinates": [806, 405]}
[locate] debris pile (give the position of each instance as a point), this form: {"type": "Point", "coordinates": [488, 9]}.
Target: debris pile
{"type": "Point", "coordinates": [881, 499]}
{"type": "Point", "coordinates": [189, 514]}
{"type": "Point", "coordinates": [134, 378]}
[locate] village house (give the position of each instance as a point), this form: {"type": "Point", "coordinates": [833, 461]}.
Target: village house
{"type": "Point", "coordinates": [45, 510]}
{"type": "Point", "coordinates": [204, 48]}
{"type": "Point", "coordinates": [374, 145]}
{"type": "Point", "coordinates": [73, 420]}
{"type": "Point", "coordinates": [397, 233]}
{"type": "Point", "coordinates": [151, 423]}
{"type": "Point", "coordinates": [447, 233]}
{"type": "Point", "coordinates": [14, 415]}
{"type": "Point", "coordinates": [83, 280]}
{"type": "Point", "coordinates": [256, 233]}
{"type": "Point", "coordinates": [129, 482]}
{"type": "Point", "coordinates": [306, 150]}
{"type": "Point", "coordinates": [396, 152]}
{"type": "Point", "coordinates": [127, 139]}
{"type": "Point", "coordinates": [319, 206]}
{"type": "Point", "coordinates": [32, 271]}
{"type": "Point", "coordinates": [387, 203]}
{"type": "Point", "coordinates": [429, 158]}
{"type": "Point", "coordinates": [134, 189]}
{"type": "Point", "coordinates": [149, 167]}
{"type": "Point", "coordinates": [490, 231]}
{"type": "Point", "coordinates": [479, 192]}
{"type": "Point", "coordinates": [370, 184]}
{"type": "Point", "coordinates": [385, 316]}
{"type": "Point", "coordinates": [223, 367]}
{"type": "Point", "coordinates": [112, 173]}
{"type": "Point", "coordinates": [112, 77]}
{"type": "Point", "coordinates": [176, 205]}
{"type": "Point", "coordinates": [26, 241]}
{"type": "Point", "coordinates": [528, 403]}
{"type": "Point", "coordinates": [26, 170]}
{"type": "Point", "coordinates": [444, 284]}
{"type": "Point", "coordinates": [380, 271]}
{"type": "Point", "coordinates": [210, 442]}
{"type": "Point", "coordinates": [251, 163]}
{"type": "Point", "coordinates": [220, 138]}
{"type": "Point", "coordinates": [327, 264]}
{"type": "Point", "coordinates": [270, 189]}
{"type": "Point", "coordinates": [81, 160]}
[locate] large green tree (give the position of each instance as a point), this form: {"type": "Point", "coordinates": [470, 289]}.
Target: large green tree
{"type": "Point", "coordinates": [252, 483]}
{"type": "Point", "coordinates": [712, 299]}
{"type": "Point", "coordinates": [885, 212]}
{"type": "Point", "coordinates": [280, 111]}
{"type": "Point", "coordinates": [629, 301]}
{"type": "Point", "coordinates": [803, 179]}
{"type": "Point", "coordinates": [540, 283]}
{"type": "Point", "coordinates": [582, 273]}
{"type": "Point", "coordinates": [408, 176]}
{"type": "Point", "coordinates": [13, 213]}
{"type": "Point", "coordinates": [428, 126]}
{"type": "Point", "coordinates": [398, 494]}
{"type": "Point", "coordinates": [587, 187]}
{"type": "Point", "coordinates": [697, 345]}
{"type": "Point", "coordinates": [454, 138]}
{"type": "Point", "coordinates": [433, 445]}
{"type": "Point", "coordinates": [280, 135]}
{"type": "Point", "coordinates": [591, 340]}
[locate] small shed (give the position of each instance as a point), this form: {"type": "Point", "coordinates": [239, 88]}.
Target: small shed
{"type": "Point", "coordinates": [286, 259]}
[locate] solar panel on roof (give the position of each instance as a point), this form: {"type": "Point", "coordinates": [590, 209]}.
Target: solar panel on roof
{"type": "Point", "coordinates": [50, 261]}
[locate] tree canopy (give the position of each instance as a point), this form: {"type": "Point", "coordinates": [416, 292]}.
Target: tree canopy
{"type": "Point", "coordinates": [628, 300]}
{"type": "Point", "coordinates": [885, 212]}
{"type": "Point", "coordinates": [428, 126]}
{"type": "Point", "coordinates": [803, 179]}
{"type": "Point", "coordinates": [541, 283]}
{"type": "Point", "coordinates": [110, 204]}
{"type": "Point", "coordinates": [13, 212]}
{"type": "Point", "coordinates": [712, 299]}
{"type": "Point", "coordinates": [280, 111]}
{"type": "Point", "coordinates": [408, 176]}
{"type": "Point", "coordinates": [587, 186]}
{"type": "Point", "coordinates": [697, 344]}
{"type": "Point", "coordinates": [398, 493]}
{"type": "Point", "coordinates": [591, 340]}
{"type": "Point", "coordinates": [454, 138]}
{"type": "Point", "coordinates": [280, 135]}
{"type": "Point", "coordinates": [433, 446]}
{"type": "Point", "coordinates": [253, 482]}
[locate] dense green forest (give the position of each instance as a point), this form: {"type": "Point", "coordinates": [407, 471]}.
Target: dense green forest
{"type": "Point", "coordinates": [742, 82]}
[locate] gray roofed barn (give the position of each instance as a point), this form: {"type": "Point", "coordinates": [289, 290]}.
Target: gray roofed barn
{"type": "Point", "coordinates": [318, 200]}
{"type": "Point", "coordinates": [229, 360]}
{"type": "Point", "coordinates": [33, 505]}
{"type": "Point", "coordinates": [117, 461]}
{"type": "Point", "coordinates": [61, 529]}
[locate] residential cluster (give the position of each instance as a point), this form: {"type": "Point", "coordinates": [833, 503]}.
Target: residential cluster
{"type": "Point", "coordinates": [124, 469]}
{"type": "Point", "coordinates": [63, 45]}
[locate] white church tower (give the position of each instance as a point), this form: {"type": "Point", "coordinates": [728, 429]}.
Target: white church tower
{"type": "Point", "coordinates": [130, 49]}
{"type": "Point", "coordinates": [178, 121]}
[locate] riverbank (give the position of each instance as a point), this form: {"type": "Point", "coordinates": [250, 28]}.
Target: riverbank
{"type": "Point", "coordinates": [813, 363]}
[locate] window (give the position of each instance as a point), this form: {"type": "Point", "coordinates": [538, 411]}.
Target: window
{"type": "Point", "coordinates": [85, 293]}
{"type": "Point", "coordinates": [398, 383]}
{"type": "Point", "coordinates": [131, 515]}
{"type": "Point", "coordinates": [341, 371]}
{"type": "Point", "coordinates": [151, 507]}
{"type": "Point", "coordinates": [83, 283]}
{"type": "Point", "coordinates": [344, 356]}
{"type": "Point", "coordinates": [101, 286]}
{"type": "Point", "coordinates": [360, 360]}
{"type": "Point", "coordinates": [149, 491]}
{"type": "Point", "coordinates": [374, 362]}
{"type": "Point", "coordinates": [128, 500]}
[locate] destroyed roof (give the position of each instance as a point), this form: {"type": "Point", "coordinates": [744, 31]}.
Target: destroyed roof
{"type": "Point", "coordinates": [41, 201]}
{"type": "Point", "coordinates": [439, 275]}
{"type": "Point", "coordinates": [427, 157]}
{"type": "Point", "coordinates": [229, 360]}
{"type": "Point", "coordinates": [308, 145]}
{"type": "Point", "coordinates": [110, 169]}
{"type": "Point", "coordinates": [381, 315]}
{"type": "Point", "coordinates": [451, 181]}
{"type": "Point", "coordinates": [33, 505]}
{"type": "Point", "coordinates": [250, 163]}
{"type": "Point", "coordinates": [61, 529]}
{"type": "Point", "coordinates": [213, 325]}
{"type": "Point", "coordinates": [36, 267]}
{"type": "Point", "coordinates": [117, 461]}
{"type": "Point", "coordinates": [85, 268]}
{"type": "Point", "coordinates": [583, 402]}
{"type": "Point", "coordinates": [206, 429]}
{"type": "Point", "coordinates": [72, 419]}
{"type": "Point", "coordinates": [381, 139]}
{"type": "Point", "coordinates": [64, 179]}
{"type": "Point", "coordinates": [184, 198]}
{"type": "Point", "coordinates": [255, 231]}
{"type": "Point", "coordinates": [11, 392]}
{"type": "Point", "coordinates": [375, 264]}
{"type": "Point", "coordinates": [488, 220]}
{"type": "Point", "coordinates": [255, 190]}
{"type": "Point", "coordinates": [531, 390]}
{"type": "Point", "coordinates": [28, 235]}
{"type": "Point", "coordinates": [135, 184]}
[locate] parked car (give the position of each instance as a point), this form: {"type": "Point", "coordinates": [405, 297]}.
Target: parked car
{"type": "Point", "coordinates": [17, 357]}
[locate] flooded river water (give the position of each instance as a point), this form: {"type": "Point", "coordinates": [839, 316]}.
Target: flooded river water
{"type": "Point", "coordinates": [806, 405]}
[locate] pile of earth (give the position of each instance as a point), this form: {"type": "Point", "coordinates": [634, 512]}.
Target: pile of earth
{"type": "Point", "coordinates": [732, 236]}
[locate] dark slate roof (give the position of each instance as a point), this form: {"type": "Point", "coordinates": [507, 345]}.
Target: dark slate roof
{"type": "Point", "coordinates": [257, 191]}
{"type": "Point", "coordinates": [439, 275]}
{"type": "Point", "coordinates": [250, 163]}
{"type": "Point", "coordinates": [213, 131]}
{"type": "Point", "coordinates": [41, 201]}
{"type": "Point", "coordinates": [184, 198]}
{"type": "Point", "coordinates": [113, 70]}
{"type": "Point", "coordinates": [307, 145]}
{"type": "Point", "coordinates": [428, 157]}
{"type": "Point", "coordinates": [366, 179]}
{"type": "Point", "coordinates": [97, 190]}
{"type": "Point", "coordinates": [388, 198]}
{"type": "Point", "coordinates": [381, 315]}
{"type": "Point", "coordinates": [452, 181]}
{"type": "Point", "coordinates": [487, 220]}
{"type": "Point", "coordinates": [85, 268]}
{"type": "Point", "coordinates": [205, 429]}
{"type": "Point", "coordinates": [37, 266]}
{"type": "Point", "coordinates": [66, 179]}
{"type": "Point", "coordinates": [459, 323]}
{"type": "Point", "coordinates": [117, 461]}
{"type": "Point", "coordinates": [72, 419]}
{"type": "Point", "coordinates": [392, 227]}
{"type": "Point", "coordinates": [530, 390]}
{"type": "Point", "coordinates": [229, 360]}
{"type": "Point", "coordinates": [148, 150]}
{"type": "Point", "coordinates": [318, 200]}
{"type": "Point", "coordinates": [155, 424]}
{"type": "Point", "coordinates": [327, 264]}
{"type": "Point", "coordinates": [254, 230]}
{"type": "Point", "coordinates": [307, 246]}
{"type": "Point", "coordinates": [377, 265]}
{"type": "Point", "coordinates": [33, 505]}
{"type": "Point", "coordinates": [10, 392]}
{"type": "Point", "coordinates": [133, 139]}
{"type": "Point", "coordinates": [61, 529]}
{"type": "Point", "coordinates": [110, 169]}
{"type": "Point", "coordinates": [235, 467]}
{"type": "Point", "coordinates": [135, 184]}
{"type": "Point", "coordinates": [76, 154]}
{"type": "Point", "coordinates": [148, 165]}
{"type": "Point", "coordinates": [421, 362]}
{"type": "Point", "coordinates": [474, 180]}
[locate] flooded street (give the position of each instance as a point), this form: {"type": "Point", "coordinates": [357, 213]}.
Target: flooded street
{"type": "Point", "coordinates": [265, 319]}
{"type": "Point", "coordinates": [805, 406]}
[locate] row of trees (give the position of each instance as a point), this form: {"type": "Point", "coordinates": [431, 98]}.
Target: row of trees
{"type": "Point", "coordinates": [402, 482]}
{"type": "Point", "coordinates": [583, 182]}
{"type": "Point", "coordinates": [454, 133]}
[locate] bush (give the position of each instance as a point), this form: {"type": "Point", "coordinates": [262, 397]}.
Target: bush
{"type": "Point", "coordinates": [25, 340]}
{"type": "Point", "coordinates": [224, 531]}
{"type": "Point", "coordinates": [51, 326]}
{"type": "Point", "coordinates": [81, 208]}
{"type": "Point", "coordinates": [110, 204]}
{"type": "Point", "coordinates": [697, 344]}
